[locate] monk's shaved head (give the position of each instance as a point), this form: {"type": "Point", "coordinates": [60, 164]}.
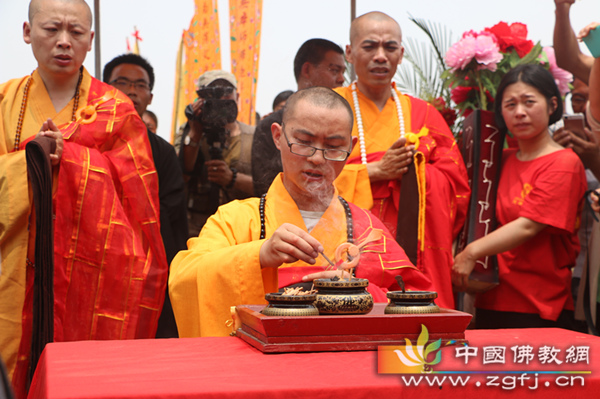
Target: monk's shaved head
{"type": "Point", "coordinates": [322, 97]}
{"type": "Point", "coordinates": [358, 24]}
{"type": "Point", "coordinates": [60, 35]}
{"type": "Point", "coordinates": [36, 5]}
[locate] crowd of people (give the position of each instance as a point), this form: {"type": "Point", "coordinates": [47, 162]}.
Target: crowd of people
{"type": "Point", "coordinates": [114, 233]}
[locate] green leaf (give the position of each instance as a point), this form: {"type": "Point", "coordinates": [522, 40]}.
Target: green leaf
{"type": "Point", "coordinates": [439, 36]}
{"type": "Point", "coordinates": [437, 359]}
{"type": "Point", "coordinates": [532, 56]}
{"type": "Point", "coordinates": [424, 73]}
{"type": "Point", "coordinates": [432, 347]}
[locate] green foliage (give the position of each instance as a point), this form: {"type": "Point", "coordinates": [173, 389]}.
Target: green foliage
{"type": "Point", "coordinates": [420, 73]}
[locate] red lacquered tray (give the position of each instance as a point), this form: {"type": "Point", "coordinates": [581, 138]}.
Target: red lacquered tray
{"type": "Point", "coordinates": [276, 334]}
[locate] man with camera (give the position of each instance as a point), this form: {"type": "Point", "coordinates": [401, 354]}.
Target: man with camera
{"type": "Point", "coordinates": [215, 150]}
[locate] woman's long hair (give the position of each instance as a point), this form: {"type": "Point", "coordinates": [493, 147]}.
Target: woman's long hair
{"type": "Point", "coordinates": [534, 75]}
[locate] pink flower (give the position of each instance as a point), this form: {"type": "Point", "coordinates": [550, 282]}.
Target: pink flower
{"type": "Point", "coordinates": [561, 77]}
{"type": "Point", "coordinates": [487, 53]}
{"type": "Point", "coordinates": [482, 33]}
{"type": "Point", "coordinates": [470, 33]}
{"type": "Point", "coordinates": [481, 46]}
{"type": "Point", "coordinates": [461, 53]}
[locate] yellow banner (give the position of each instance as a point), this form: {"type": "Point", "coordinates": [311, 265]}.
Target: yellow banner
{"type": "Point", "coordinates": [200, 52]}
{"type": "Point", "coordinates": [244, 29]}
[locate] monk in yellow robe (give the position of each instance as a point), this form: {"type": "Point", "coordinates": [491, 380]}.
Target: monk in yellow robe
{"type": "Point", "coordinates": [109, 267]}
{"type": "Point", "coordinates": [395, 130]}
{"type": "Point", "coordinates": [256, 246]}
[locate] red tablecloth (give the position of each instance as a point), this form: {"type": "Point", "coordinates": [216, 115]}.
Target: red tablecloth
{"type": "Point", "coordinates": [230, 368]}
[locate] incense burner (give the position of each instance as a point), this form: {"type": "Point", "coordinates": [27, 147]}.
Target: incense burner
{"type": "Point", "coordinates": [343, 296]}
{"type": "Point", "coordinates": [290, 305]}
{"type": "Point", "coordinates": [411, 302]}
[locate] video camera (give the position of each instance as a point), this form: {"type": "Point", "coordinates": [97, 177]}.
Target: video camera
{"type": "Point", "coordinates": [215, 114]}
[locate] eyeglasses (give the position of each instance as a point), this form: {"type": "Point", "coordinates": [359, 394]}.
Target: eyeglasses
{"type": "Point", "coordinates": [305, 150]}
{"type": "Point", "coordinates": [124, 84]}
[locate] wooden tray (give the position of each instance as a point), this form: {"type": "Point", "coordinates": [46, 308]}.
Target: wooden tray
{"type": "Point", "coordinates": [276, 334]}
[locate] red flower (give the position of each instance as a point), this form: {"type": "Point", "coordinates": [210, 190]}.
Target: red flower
{"type": "Point", "coordinates": [439, 103]}
{"type": "Point", "coordinates": [449, 116]}
{"type": "Point", "coordinates": [448, 113]}
{"type": "Point", "coordinates": [460, 94]}
{"type": "Point", "coordinates": [512, 36]}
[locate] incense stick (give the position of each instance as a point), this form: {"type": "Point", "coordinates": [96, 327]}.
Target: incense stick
{"type": "Point", "coordinates": [327, 259]}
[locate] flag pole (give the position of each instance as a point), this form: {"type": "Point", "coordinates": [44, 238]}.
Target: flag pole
{"type": "Point", "coordinates": [97, 60]}
{"type": "Point", "coordinates": [352, 18]}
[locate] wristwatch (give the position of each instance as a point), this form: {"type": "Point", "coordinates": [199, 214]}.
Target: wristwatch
{"type": "Point", "coordinates": [188, 141]}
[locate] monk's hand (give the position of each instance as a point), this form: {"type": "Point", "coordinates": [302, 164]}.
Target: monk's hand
{"type": "Point", "coordinates": [49, 129]}
{"type": "Point", "coordinates": [464, 263]}
{"type": "Point", "coordinates": [219, 172]}
{"type": "Point", "coordinates": [289, 244]}
{"type": "Point", "coordinates": [327, 274]}
{"type": "Point", "coordinates": [394, 163]}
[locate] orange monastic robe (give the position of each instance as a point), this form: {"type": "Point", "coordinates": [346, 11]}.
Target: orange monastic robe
{"type": "Point", "coordinates": [221, 268]}
{"type": "Point", "coordinates": [441, 174]}
{"type": "Point", "coordinates": [109, 264]}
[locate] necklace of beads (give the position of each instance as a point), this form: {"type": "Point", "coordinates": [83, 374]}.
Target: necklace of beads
{"type": "Point", "coordinates": [24, 105]}
{"type": "Point", "coordinates": [349, 224]}
{"type": "Point", "coordinates": [359, 123]}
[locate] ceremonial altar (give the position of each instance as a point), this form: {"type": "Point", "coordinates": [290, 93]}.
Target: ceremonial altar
{"type": "Point", "coordinates": [228, 367]}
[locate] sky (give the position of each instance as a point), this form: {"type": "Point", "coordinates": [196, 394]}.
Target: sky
{"type": "Point", "coordinates": [286, 24]}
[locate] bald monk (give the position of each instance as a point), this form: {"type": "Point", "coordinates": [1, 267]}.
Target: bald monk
{"type": "Point", "coordinates": [394, 131]}
{"type": "Point", "coordinates": [252, 247]}
{"type": "Point", "coordinates": [109, 263]}
{"type": "Point", "coordinates": [318, 62]}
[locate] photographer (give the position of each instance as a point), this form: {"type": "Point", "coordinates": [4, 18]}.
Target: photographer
{"type": "Point", "coordinates": [215, 149]}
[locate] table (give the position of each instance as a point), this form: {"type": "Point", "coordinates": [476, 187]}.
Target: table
{"type": "Point", "coordinates": [228, 367]}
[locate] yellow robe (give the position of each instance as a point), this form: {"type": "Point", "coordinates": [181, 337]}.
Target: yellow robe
{"type": "Point", "coordinates": [16, 199]}
{"type": "Point", "coordinates": [100, 177]}
{"type": "Point", "coordinates": [221, 268]}
{"type": "Point", "coordinates": [442, 179]}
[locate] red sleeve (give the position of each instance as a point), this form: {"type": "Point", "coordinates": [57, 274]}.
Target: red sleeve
{"type": "Point", "coordinates": [556, 192]}
{"type": "Point", "coordinates": [382, 260]}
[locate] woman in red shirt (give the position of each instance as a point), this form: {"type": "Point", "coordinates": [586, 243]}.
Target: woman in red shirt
{"type": "Point", "coordinates": [539, 199]}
